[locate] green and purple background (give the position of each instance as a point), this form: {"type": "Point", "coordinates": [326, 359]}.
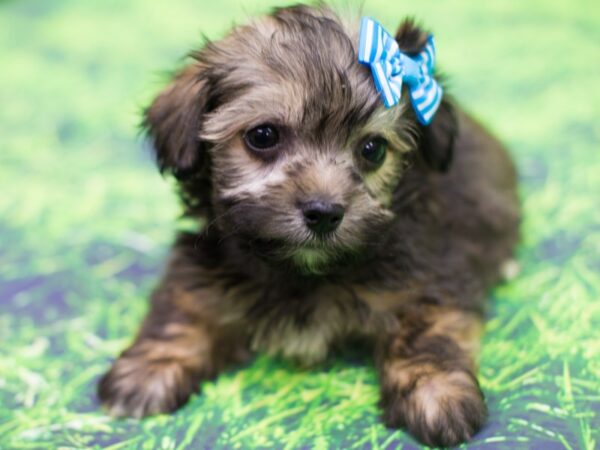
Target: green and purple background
{"type": "Point", "coordinates": [86, 222]}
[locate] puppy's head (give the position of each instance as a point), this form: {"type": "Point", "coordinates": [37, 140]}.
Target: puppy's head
{"type": "Point", "coordinates": [278, 136]}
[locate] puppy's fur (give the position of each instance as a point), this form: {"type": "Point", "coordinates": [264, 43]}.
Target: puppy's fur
{"type": "Point", "coordinates": [422, 239]}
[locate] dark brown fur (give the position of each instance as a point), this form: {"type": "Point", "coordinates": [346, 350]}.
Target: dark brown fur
{"type": "Point", "coordinates": [422, 241]}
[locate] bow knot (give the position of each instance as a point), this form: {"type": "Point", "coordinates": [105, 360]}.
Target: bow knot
{"type": "Point", "coordinates": [391, 68]}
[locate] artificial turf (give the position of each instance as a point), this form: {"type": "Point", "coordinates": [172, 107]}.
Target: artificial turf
{"type": "Point", "coordinates": [85, 223]}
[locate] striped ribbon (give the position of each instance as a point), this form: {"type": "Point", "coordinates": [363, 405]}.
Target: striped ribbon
{"type": "Point", "coordinates": [391, 68]}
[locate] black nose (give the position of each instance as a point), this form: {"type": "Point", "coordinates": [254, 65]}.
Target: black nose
{"type": "Point", "coordinates": [322, 217]}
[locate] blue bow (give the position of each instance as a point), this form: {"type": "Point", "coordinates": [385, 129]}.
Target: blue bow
{"type": "Point", "coordinates": [391, 68]}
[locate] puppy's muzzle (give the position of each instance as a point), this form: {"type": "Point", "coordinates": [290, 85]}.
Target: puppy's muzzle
{"type": "Point", "coordinates": [322, 217]}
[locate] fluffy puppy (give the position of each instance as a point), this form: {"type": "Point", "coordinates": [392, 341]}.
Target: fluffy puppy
{"type": "Point", "coordinates": [325, 215]}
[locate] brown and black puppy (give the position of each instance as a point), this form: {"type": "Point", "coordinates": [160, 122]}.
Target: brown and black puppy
{"type": "Point", "coordinates": [327, 215]}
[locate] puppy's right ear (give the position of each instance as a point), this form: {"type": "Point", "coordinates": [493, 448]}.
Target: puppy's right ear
{"type": "Point", "coordinates": [173, 123]}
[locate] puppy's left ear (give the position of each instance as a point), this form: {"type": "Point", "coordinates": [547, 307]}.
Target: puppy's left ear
{"type": "Point", "coordinates": [436, 139]}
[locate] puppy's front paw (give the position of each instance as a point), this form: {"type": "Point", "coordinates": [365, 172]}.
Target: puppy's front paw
{"type": "Point", "coordinates": [441, 409]}
{"type": "Point", "coordinates": [138, 387]}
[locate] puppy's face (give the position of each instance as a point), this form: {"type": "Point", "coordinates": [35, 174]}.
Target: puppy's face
{"type": "Point", "coordinates": [303, 158]}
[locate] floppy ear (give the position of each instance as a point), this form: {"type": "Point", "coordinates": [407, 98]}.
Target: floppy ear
{"type": "Point", "coordinates": [173, 122]}
{"type": "Point", "coordinates": [436, 139]}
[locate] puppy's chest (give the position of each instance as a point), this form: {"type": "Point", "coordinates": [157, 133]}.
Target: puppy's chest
{"type": "Point", "coordinates": [305, 327]}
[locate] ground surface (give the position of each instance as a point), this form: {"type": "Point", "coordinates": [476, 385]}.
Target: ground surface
{"type": "Point", "coordinates": [85, 223]}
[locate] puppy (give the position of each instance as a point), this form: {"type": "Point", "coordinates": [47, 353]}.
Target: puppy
{"type": "Point", "coordinates": [325, 215]}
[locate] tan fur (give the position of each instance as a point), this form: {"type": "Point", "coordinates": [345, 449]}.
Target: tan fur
{"type": "Point", "coordinates": [464, 328]}
{"type": "Point", "coordinates": [152, 370]}
{"type": "Point", "coordinates": [390, 301]}
{"type": "Point", "coordinates": [430, 394]}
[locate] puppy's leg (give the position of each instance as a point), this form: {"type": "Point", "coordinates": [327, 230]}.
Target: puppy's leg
{"type": "Point", "coordinates": [179, 345]}
{"type": "Point", "coordinates": [428, 376]}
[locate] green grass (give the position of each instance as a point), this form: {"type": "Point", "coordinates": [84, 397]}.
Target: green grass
{"type": "Point", "coordinates": [85, 223]}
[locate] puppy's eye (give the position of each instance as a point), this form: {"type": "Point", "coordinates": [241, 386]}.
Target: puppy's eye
{"type": "Point", "coordinates": [373, 152]}
{"type": "Point", "coordinates": [261, 138]}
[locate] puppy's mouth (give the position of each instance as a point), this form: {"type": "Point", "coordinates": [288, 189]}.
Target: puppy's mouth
{"type": "Point", "coordinates": [315, 256]}
{"type": "Point", "coordinates": [278, 248]}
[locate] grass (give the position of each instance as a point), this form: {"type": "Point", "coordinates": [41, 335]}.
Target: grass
{"type": "Point", "coordinates": [85, 223]}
